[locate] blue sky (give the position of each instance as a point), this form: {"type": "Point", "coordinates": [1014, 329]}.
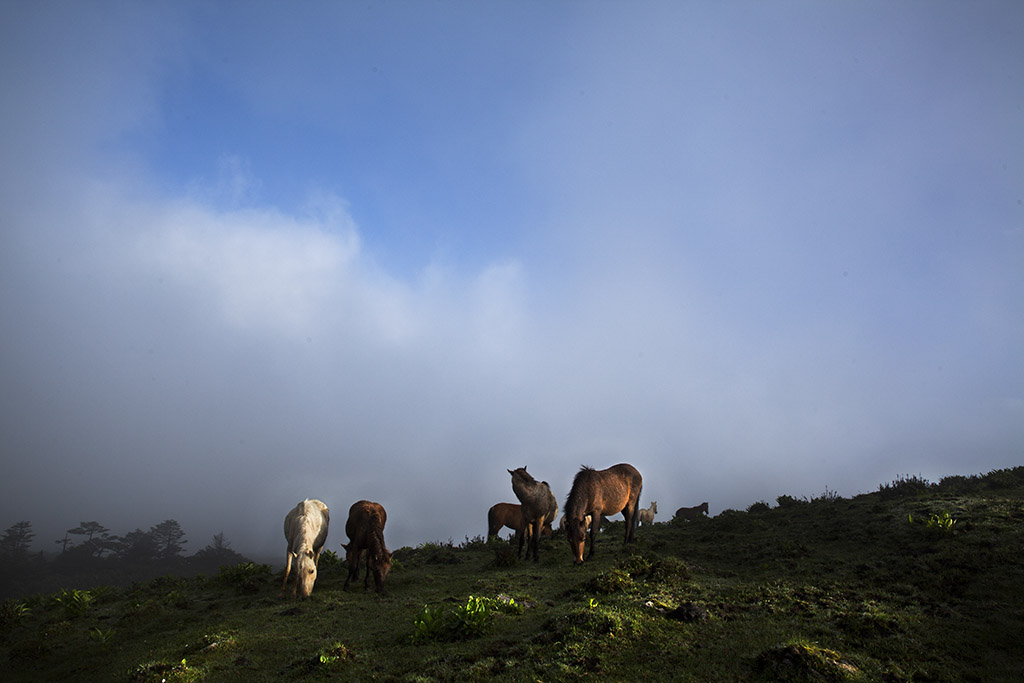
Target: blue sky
{"type": "Point", "coordinates": [254, 252]}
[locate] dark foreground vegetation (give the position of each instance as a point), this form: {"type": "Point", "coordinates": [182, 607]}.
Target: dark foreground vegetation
{"type": "Point", "coordinates": [915, 582]}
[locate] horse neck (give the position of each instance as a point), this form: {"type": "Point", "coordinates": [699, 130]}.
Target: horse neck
{"type": "Point", "coordinates": [375, 540]}
{"type": "Point", "coordinates": [575, 505]}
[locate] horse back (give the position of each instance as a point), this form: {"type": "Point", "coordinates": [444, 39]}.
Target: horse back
{"type": "Point", "coordinates": [365, 519]}
{"type": "Point", "coordinates": [620, 487]}
{"type": "Point", "coordinates": [307, 523]}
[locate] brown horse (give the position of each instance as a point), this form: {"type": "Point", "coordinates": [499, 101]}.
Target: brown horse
{"type": "Point", "coordinates": [539, 509]}
{"type": "Point", "coordinates": [599, 493]}
{"type": "Point", "coordinates": [305, 528]}
{"type": "Point", "coordinates": [692, 513]}
{"type": "Point", "coordinates": [365, 529]}
{"type": "Point", "coordinates": [510, 515]}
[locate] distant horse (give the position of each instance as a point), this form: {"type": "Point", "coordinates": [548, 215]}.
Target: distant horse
{"type": "Point", "coordinates": [692, 513]}
{"type": "Point", "coordinates": [305, 528]}
{"type": "Point", "coordinates": [539, 509]}
{"type": "Point", "coordinates": [510, 515]}
{"type": "Point", "coordinates": [365, 529]}
{"type": "Point", "coordinates": [647, 515]}
{"type": "Point", "coordinates": [599, 493]}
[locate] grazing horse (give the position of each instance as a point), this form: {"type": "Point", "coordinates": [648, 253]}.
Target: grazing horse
{"type": "Point", "coordinates": [305, 527]}
{"type": "Point", "coordinates": [599, 493]}
{"type": "Point", "coordinates": [692, 513]}
{"type": "Point", "coordinates": [647, 515]}
{"type": "Point", "coordinates": [510, 515]}
{"type": "Point", "coordinates": [539, 509]}
{"type": "Point", "coordinates": [365, 529]}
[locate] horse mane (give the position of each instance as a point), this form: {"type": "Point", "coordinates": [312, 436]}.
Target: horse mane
{"type": "Point", "coordinates": [375, 541]}
{"type": "Point", "coordinates": [577, 493]}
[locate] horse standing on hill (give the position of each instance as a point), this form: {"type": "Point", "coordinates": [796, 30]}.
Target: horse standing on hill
{"type": "Point", "coordinates": [692, 513]}
{"type": "Point", "coordinates": [599, 493]}
{"type": "Point", "coordinates": [539, 509]}
{"type": "Point", "coordinates": [305, 528]}
{"type": "Point", "coordinates": [365, 529]}
{"type": "Point", "coordinates": [509, 515]}
{"type": "Point", "coordinates": [647, 515]}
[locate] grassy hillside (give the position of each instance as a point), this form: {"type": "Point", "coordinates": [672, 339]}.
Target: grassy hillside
{"type": "Point", "coordinates": [916, 582]}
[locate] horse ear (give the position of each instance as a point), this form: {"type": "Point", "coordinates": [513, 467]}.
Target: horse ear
{"type": "Point", "coordinates": [510, 471]}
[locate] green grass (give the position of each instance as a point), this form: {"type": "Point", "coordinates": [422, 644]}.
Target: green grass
{"type": "Point", "coordinates": [828, 589]}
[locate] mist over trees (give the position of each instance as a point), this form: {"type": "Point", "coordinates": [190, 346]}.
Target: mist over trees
{"type": "Point", "coordinates": [90, 555]}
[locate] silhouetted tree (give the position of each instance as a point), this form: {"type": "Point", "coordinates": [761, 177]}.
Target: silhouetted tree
{"type": "Point", "coordinates": [17, 538]}
{"type": "Point", "coordinates": [137, 546]}
{"type": "Point", "coordinates": [169, 539]}
{"type": "Point", "coordinates": [216, 555]}
{"type": "Point", "coordinates": [98, 540]}
{"type": "Point", "coordinates": [64, 543]}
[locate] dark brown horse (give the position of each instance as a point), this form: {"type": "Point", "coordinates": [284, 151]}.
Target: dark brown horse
{"type": "Point", "coordinates": [365, 529]}
{"type": "Point", "coordinates": [510, 515]}
{"type": "Point", "coordinates": [539, 509]}
{"type": "Point", "coordinates": [692, 513]}
{"type": "Point", "coordinates": [599, 493]}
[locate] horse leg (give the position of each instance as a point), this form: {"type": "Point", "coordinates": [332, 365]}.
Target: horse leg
{"type": "Point", "coordinates": [287, 571]}
{"type": "Point", "coordinates": [366, 578]}
{"type": "Point", "coordinates": [595, 524]}
{"type": "Point", "coordinates": [535, 528]}
{"type": "Point", "coordinates": [353, 567]}
{"type": "Point", "coordinates": [521, 536]}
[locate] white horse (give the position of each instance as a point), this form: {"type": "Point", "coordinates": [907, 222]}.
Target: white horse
{"type": "Point", "coordinates": [305, 527]}
{"type": "Point", "coordinates": [647, 516]}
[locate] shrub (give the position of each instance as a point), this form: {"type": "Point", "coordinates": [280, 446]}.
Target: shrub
{"type": "Point", "coordinates": [943, 522]}
{"type": "Point", "coordinates": [829, 496]}
{"type": "Point", "coordinates": [246, 577]}
{"type": "Point", "coordinates": [759, 506]}
{"type": "Point", "coordinates": [75, 602]}
{"type": "Point", "coordinates": [903, 486]}
{"type": "Point", "coordinates": [1004, 478]}
{"type": "Point", "coordinates": [785, 501]}
{"type": "Point", "coordinates": [505, 555]}
{"type": "Point", "coordinates": [11, 611]}
{"type": "Point", "coordinates": [328, 558]}
{"type": "Point", "coordinates": [615, 580]}
{"type": "Point", "coordinates": [804, 661]}
{"type": "Point", "coordinates": [462, 621]}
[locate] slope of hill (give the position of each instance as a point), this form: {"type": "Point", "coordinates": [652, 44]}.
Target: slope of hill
{"type": "Point", "coordinates": [916, 582]}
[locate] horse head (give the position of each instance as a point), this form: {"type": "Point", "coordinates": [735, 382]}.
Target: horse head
{"type": "Point", "coordinates": [381, 568]}
{"type": "Point", "coordinates": [576, 533]}
{"type": "Point", "coordinates": [306, 569]}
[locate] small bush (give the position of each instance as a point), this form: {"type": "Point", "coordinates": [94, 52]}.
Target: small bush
{"type": "Point", "coordinates": [12, 611]}
{"type": "Point", "coordinates": [75, 602]}
{"type": "Point", "coordinates": [328, 558]}
{"type": "Point", "coordinates": [804, 661]}
{"type": "Point", "coordinates": [942, 522]}
{"type": "Point", "coordinates": [1004, 478]}
{"type": "Point", "coordinates": [615, 580]}
{"type": "Point", "coordinates": [829, 496]}
{"type": "Point", "coordinates": [785, 501]}
{"type": "Point", "coordinates": [246, 577]}
{"type": "Point", "coordinates": [335, 653]}
{"type": "Point", "coordinates": [463, 621]}
{"type": "Point", "coordinates": [505, 555]}
{"type": "Point", "coordinates": [759, 506]}
{"type": "Point", "coordinates": [903, 486]}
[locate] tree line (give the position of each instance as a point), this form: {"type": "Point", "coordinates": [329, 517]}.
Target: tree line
{"type": "Point", "coordinates": [89, 554]}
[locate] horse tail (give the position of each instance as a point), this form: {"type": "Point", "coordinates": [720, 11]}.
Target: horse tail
{"type": "Point", "coordinates": [491, 523]}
